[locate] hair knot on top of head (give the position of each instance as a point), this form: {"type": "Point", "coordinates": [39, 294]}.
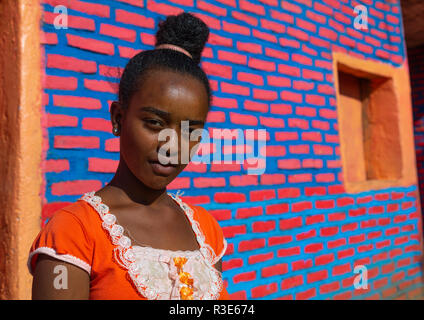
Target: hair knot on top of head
{"type": "Point", "coordinates": [178, 38]}
{"type": "Point", "coordinates": [185, 31]}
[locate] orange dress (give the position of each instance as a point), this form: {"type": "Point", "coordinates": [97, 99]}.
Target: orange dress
{"type": "Point", "coordinates": [86, 234]}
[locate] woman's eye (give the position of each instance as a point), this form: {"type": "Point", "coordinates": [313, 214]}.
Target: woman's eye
{"type": "Point", "coordinates": [154, 122]}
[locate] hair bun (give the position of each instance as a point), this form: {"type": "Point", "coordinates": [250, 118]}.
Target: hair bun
{"type": "Point", "coordinates": [186, 31]}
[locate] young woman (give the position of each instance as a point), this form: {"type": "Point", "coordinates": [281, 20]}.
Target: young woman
{"type": "Point", "coordinates": [132, 239]}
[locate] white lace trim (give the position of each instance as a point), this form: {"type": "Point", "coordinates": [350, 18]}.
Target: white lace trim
{"type": "Point", "coordinates": [218, 257]}
{"type": "Point", "coordinates": [125, 256]}
{"type": "Point", "coordinates": [63, 257]}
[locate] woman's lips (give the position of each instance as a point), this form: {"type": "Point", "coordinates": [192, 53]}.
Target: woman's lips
{"type": "Point", "coordinates": [162, 170]}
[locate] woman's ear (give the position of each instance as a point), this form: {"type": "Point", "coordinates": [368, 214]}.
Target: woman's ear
{"type": "Point", "coordinates": [116, 113]}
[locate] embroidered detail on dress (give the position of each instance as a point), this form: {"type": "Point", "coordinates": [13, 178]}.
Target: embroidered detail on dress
{"type": "Point", "coordinates": [152, 270]}
{"type": "Point", "coordinates": [63, 257]}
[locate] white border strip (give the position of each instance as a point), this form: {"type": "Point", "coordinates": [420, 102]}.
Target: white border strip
{"type": "Point", "coordinates": [63, 257]}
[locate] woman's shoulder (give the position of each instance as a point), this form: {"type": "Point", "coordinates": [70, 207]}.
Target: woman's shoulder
{"type": "Point", "coordinates": [80, 210]}
{"type": "Point", "coordinates": [212, 230]}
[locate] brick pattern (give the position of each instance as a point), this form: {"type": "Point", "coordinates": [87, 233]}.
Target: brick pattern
{"type": "Point", "coordinates": [293, 232]}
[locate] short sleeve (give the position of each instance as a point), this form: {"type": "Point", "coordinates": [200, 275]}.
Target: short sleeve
{"type": "Point", "coordinates": [215, 234]}
{"type": "Point", "coordinates": [64, 238]}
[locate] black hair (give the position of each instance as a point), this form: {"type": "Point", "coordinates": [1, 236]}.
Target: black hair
{"type": "Point", "coordinates": [184, 30]}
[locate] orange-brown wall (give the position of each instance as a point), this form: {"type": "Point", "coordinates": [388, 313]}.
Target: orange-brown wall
{"type": "Point", "coordinates": [20, 142]}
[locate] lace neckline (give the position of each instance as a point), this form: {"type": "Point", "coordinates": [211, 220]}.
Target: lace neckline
{"type": "Point", "coordinates": [126, 255]}
{"type": "Point", "coordinates": [109, 221]}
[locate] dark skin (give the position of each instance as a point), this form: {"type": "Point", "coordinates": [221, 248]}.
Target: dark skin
{"type": "Point", "coordinates": [137, 195]}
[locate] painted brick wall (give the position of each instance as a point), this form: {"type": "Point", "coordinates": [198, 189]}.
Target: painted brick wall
{"type": "Point", "coordinates": [416, 68]}
{"type": "Point", "coordinates": [293, 232]}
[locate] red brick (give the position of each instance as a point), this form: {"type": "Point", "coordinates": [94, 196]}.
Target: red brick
{"type": "Point", "coordinates": [56, 165]}
{"type": "Point", "coordinates": [76, 142]}
{"type": "Point", "coordinates": [58, 61]}
{"type": "Point", "coordinates": [248, 245]}
{"type": "Point", "coordinates": [102, 165]}
{"type": "Point", "coordinates": [274, 270]}
{"type": "Point", "coordinates": [310, 293]}
{"type": "Point", "coordinates": [118, 32]}
{"type": "Point", "coordinates": [245, 276]}
{"type": "Point", "coordinates": [134, 18]}
{"type": "Point", "coordinates": [248, 212]}
{"type": "Point", "coordinates": [231, 231]}
{"type": "Point", "coordinates": [83, 6]}
{"type": "Point", "coordinates": [324, 259]}
{"type": "Point", "coordinates": [317, 276]}
{"type": "Point", "coordinates": [76, 102]}
{"type": "Point", "coordinates": [73, 21]}
{"type": "Point", "coordinates": [61, 83]}
{"type": "Point", "coordinates": [264, 290]}
{"type": "Point", "coordinates": [232, 264]}
{"type": "Point", "coordinates": [90, 44]}
{"type": "Point", "coordinates": [77, 187]}
{"type": "Point", "coordinates": [277, 240]}
{"type": "Point", "coordinates": [263, 226]}
{"type": "Point", "coordinates": [260, 257]}
{"type": "Point", "coordinates": [261, 64]}
{"type": "Point", "coordinates": [301, 264]}
{"type": "Point", "coordinates": [286, 224]}
{"type": "Point", "coordinates": [286, 252]}
{"type": "Point", "coordinates": [292, 282]}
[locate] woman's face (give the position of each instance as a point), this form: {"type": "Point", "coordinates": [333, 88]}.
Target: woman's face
{"type": "Point", "coordinates": [165, 99]}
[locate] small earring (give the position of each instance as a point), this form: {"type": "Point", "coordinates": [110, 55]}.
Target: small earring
{"type": "Point", "coordinates": [115, 130]}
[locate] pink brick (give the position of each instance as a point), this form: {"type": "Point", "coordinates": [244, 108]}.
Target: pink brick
{"type": "Point", "coordinates": [231, 231]}
{"type": "Point", "coordinates": [290, 7]}
{"type": "Point", "coordinates": [255, 106]}
{"type": "Point", "coordinates": [97, 124]}
{"type": "Point", "coordinates": [262, 195]}
{"type": "Point", "coordinates": [245, 276]}
{"type": "Point", "coordinates": [118, 32]}
{"type": "Point", "coordinates": [249, 245]}
{"type": "Point", "coordinates": [232, 264]}
{"type": "Point", "coordinates": [73, 142]}
{"type": "Point", "coordinates": [232, 57]}
{"type": "Point", "coordinates": [235, 28]}
{"type": "Point", "coordinates": [251, 7]}
{"type": "Point", "coordinates": [249, 47]}
{"type": "Point", "coordinates": [292, 282]}
{"type": "Point", "coordinates": [61, 83]}
{"type": "Point", "coordinates": [76, 102]}
{"type": "Point", "coordinates": [248, 212]}
{"type": "Point", "coordinates": [83, 6]}
{"type": "Point", "coordinates": [263, 226]}
{"type": "Point", "coordinates": [264, 290]}
{"type": "Point", "coordinates": [56, 165]}
{"type": "Point", "coordinates": [317, 276]}
{"type": "Point", "coordinates": [73, 21]}
{"type": "Point", "coordinates": [77, 187]}
{"type": "Point", "coordinates": [101, 85]}
{"type": "Point", "coordinates": [70, 63]}
{"type": "Point", "coordinates": [60, 120]}
{"type": "Point", "coordinates": [274, 270]}
{"type": "Point", "coordinates": [286, 224]}
{"type": "Point", "coordinates": [134, 18]}
{"type": "Point", "coordinates": [243, 119]}
{"type": "Point", "coordinates": [216, 10]}
{"type": "Point", "coordinates": [262, 64]}
{"type": "Point", "coordinates": [304, 295]}
{"type": "Point", "coordinates": [298, 34]}
{"type": "Point", "coordinates": [244, 17]}
{"type": "Point", "coordinates": [260, 257]}
{"type": "Point", "coordinates": [217, 70]}
{"type": "Point", "coordinates": [90, 44]}
{"type": "Point", "coordinates": [102, 165]}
